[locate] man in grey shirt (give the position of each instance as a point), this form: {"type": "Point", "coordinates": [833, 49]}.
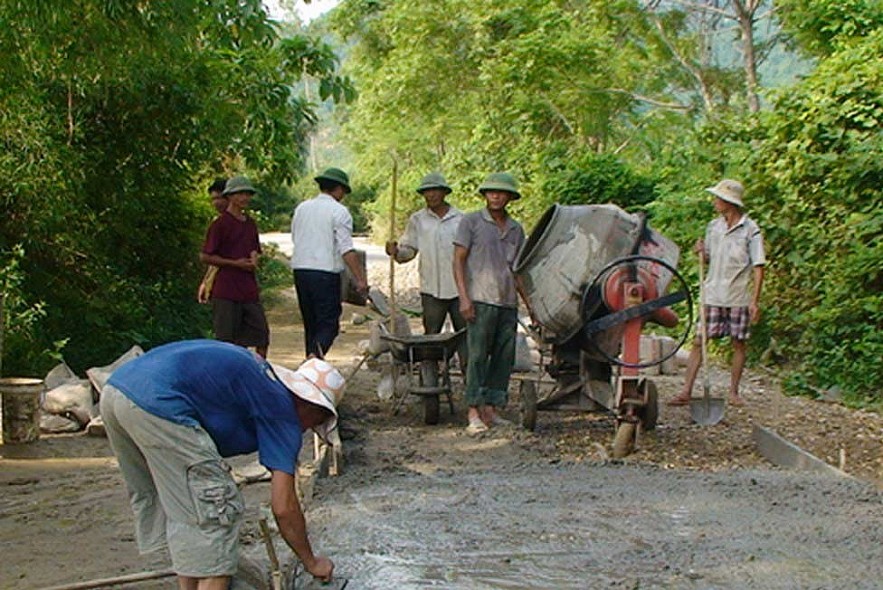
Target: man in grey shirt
{"type": "Point", "coordinates": [485, 248]}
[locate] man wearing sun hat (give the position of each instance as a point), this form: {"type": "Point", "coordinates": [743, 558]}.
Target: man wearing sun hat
{"type": "Point", "coordinates": [322, 236]}
{"type": "Point", "coordinates": [233, 245]}
{"type": "Point", "coordinates": [485, 248]}
{"type": "Point", "coordinates": [733, 247]}
{"type": "Point", "coordinates": [171, 416]}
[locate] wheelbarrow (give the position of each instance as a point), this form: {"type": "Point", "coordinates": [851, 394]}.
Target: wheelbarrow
{"type": "Point", "coordinates": [428, 357]}
{"type": "Point", "coordinates": [594, 275]}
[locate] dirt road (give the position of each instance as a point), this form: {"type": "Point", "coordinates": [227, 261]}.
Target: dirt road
{"type": "Point", "coordinates": [428, 506]}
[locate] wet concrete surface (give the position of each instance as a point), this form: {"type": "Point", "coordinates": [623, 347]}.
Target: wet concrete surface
{"type": "Point", "coordinates": [582, 525]}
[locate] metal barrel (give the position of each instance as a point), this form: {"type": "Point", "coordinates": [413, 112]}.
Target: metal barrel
{"type": "Point", "coordinates": [21, 409]}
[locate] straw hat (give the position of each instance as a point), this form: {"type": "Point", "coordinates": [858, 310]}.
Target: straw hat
{"type": "Point", "coordinates": [728, 190]}
{"type": "Point", "coordinates": [318, 383]}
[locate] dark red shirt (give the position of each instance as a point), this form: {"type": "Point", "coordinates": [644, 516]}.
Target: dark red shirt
{"type": "Point", "coordinates": [229, 237]}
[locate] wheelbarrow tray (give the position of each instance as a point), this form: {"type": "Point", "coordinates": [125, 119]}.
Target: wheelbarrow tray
{"type": "Point", "coordinates": [424, 347]}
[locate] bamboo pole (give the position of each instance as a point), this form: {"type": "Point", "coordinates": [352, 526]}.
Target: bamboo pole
{"type": "Point", "coordinates": [392, 237]}
{"type": "Point", "coordinates": [127, 579]}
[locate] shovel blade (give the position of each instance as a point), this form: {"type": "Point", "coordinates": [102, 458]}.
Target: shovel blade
{"type": "Point", "coordinates": [377, 301]}
{"type": "Point", "coordinates": [707, 411]}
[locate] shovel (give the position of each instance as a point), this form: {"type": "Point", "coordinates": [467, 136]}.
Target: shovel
{"type": "Point", "coordinates": [706, 410]}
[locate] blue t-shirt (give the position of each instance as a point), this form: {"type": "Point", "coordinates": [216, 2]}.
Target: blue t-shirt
{"type": "Point", "coordinates": [225, 389]}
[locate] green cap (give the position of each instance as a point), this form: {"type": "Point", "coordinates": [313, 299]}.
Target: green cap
{"type": "Point", "coordinates": [238, 184]}
{"type": "Point", "coordinates": [336, 175]}
{"type": "Point", "coordinates": [500, 181]}
{"type": "Point", "coordinates": [433, 180]}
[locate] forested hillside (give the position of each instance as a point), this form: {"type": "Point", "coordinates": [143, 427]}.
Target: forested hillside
{"type": "Point", "coordinates": [115, 116]}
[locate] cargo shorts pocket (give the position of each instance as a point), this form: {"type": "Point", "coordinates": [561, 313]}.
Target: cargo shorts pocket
{"type": "Point", "coordinates": [215, 496]}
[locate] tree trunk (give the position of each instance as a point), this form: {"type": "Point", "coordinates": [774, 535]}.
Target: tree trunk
{"type": "Point", "coordinates": [745, 12]}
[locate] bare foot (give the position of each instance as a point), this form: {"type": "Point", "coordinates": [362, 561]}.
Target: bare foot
{"type": "Point", "coordinates": [681, 400]}
{"type": "Point", "coordinates": [735, 400]}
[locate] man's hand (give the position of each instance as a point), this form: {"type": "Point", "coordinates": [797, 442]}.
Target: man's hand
{"type": "Point", "coordinates": [201, 294]}
{"type": "Point", "coordinates": [467, 309]}
{"type": "Point", "coordinates": [321, 568]}
{"type": "Point", "coordinates": [249, 263]}
{"type": "Point", "coordinates": [392, 249]}
{"type": "Point", "coordinates": [699, 247]}
{"type": "Point", "coordinates": [754, 313]}
{"type": "Point", "coordinates": [362, 287]}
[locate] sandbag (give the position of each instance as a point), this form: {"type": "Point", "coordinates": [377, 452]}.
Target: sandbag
{"type": "Point", "coordinates": [95, 427]}
{"type": "Point", "coordinates": [376, 344]}
{"type": "Point", "coordinates": [59, 375]}
{"type": "Point", "coordinates": [52, 424]}
{"type": "Point", "coordinates": [71, 399]}
{"type": "Point", "coordinates": [98, 376]}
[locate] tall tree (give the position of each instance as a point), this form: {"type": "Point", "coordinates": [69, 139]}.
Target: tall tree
{"type": "Point", "coordinates": [112, 116]}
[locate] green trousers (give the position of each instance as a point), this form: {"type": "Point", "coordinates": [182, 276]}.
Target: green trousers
{"type": "Point", "coordinates": [491, 344]}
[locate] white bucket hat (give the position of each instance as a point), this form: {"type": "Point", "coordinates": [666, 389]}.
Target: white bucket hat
{"type": "Point", "coordinates": [318, 383]}
{"type": "Point", "coordinates": [729, 190]}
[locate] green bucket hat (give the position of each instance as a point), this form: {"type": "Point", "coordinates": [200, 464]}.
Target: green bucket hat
{"type": "Point", "coordinates": [238, 184]}
{"type": "Point", "coordinates": [500, 181]}
{"type": "Point", "coordinates": [433, 180]}
{"type": "Point", "coordinates": [336, 175]}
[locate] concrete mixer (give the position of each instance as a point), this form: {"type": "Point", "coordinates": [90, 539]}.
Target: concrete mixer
{"type": "Point", "coordinates": [594, 275]}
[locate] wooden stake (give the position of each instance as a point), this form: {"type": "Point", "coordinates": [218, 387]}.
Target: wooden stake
{"type": "Point", "coordinates": [127, 579]}
{"type": "Point", "coordinates": [392, 237]}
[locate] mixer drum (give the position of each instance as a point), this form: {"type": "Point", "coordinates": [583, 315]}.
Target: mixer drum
{"type": "Point", "coordinates": [565, 252]}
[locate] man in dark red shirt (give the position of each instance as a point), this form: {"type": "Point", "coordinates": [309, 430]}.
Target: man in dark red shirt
{"type": "Point", "coordinates": [232, 244]}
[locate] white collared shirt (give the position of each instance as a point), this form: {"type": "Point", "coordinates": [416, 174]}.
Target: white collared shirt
{"type": "Point", "coordinates": [321, 233]}
{"type": "Point", "coordinates": [733, 252]}
{"type": "Point", "coordinates": [433, 237]}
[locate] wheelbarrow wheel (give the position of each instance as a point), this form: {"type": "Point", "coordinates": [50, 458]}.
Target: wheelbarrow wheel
{"type": "Point", "coordinates": [528, 392]}
{"type": "Point", "coordinates": [624, 441]}
{"type": "Point", "coordinates": [430, 409]}
{"type": "Point", "coordinates": [650, 413]}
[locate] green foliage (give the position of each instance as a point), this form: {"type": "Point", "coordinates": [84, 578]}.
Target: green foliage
{"type": "Point", "coordinates": [113, 115]}
{"type": "Point", "coordinates": [819, 170]}
{"type": "Point", "coordinates": [273, 271]}
{"type": "Point", "coordinates": [820, 27]}
{"type": "Point", "coordinates": [595, 178]}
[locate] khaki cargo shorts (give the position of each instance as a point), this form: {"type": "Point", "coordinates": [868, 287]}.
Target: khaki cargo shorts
{"type": "Point", "coordinates": [180, 489]}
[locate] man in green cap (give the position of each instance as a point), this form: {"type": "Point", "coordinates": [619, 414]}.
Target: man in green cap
{"type": "Point", "coordinates": [322, 235]}
{"type": "Point", "coordinates": [485, 248]}
{"type": "Point", "coordinates": [232, 244]}
{"type": "Point", "coordinates": [431, 232]}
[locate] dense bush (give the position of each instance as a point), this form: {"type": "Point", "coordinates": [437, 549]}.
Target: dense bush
{"type": "Point", "coordinates": [114, 116]}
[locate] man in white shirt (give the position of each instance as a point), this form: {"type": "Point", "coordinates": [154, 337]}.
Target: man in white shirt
{"type": "Point", "coordinates": [733, 247]}
{"type": "Point", "coordinates": [431, 232]}
{"type": "Point", "coordinates": [322, 235]}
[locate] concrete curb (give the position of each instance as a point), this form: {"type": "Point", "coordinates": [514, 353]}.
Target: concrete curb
{"type": "Point", "coordinates": [784, 453]}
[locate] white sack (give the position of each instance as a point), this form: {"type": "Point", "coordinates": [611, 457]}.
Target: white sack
{"type": "Point", "coordinates": [73, 398]}
{"type": "Point", "coordinates": [98, 376]}
{"type": "Point", "coordinates": [52, 424]}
